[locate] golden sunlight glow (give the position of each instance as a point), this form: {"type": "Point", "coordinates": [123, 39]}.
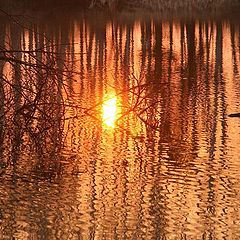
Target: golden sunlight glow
{"type": "Point", "coordinates": [109, 111]}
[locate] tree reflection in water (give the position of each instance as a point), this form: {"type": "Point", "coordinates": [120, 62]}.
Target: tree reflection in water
{"type": "Point", "coordinates": [161, 170]}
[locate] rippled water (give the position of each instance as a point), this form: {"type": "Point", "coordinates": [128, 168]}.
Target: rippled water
{"type": "Point", "coordinates": [146, 149]}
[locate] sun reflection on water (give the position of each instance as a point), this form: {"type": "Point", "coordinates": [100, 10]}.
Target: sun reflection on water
{"type": "Point", "coordinates": [109, 111]}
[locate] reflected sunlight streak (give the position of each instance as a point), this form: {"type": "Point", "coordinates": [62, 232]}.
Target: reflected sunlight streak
{"type": "Point", "coordinates": [109, 111]}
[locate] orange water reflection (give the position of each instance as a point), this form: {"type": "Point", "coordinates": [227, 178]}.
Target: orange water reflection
{"type": "Point", "coordinates": [153, 157]}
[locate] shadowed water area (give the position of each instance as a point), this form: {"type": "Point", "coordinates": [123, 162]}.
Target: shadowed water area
{"type": "Point", "coordinates": [115, 125]}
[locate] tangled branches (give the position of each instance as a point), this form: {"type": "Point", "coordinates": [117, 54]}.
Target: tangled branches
{"type": "Point", "coordinates": [31, 93]}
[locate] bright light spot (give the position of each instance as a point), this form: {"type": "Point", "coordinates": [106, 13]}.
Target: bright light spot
{"type": "Point", "coordinates": [109, 111]}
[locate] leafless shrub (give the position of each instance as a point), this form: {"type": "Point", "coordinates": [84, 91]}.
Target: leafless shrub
{"type": "Point", "coordinates": [31, 101]}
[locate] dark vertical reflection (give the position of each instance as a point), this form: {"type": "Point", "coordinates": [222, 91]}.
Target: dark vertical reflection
{"type": "Point", "coordinates": [81, 53]}
{"type": "Point", "coordinates": [143, 46]}
{"type": "Point", "coordinates": [2, 94]}
{"type": "Point", "coordinates": [158, 51]}
{"type": "Point", "coordinates": [191, 51]}
{"type": "Point", "coordinates": [234, 51]}
{"type": "Point", "coordinates": [184, 96]}
{"type": "Point", "coordinates": [16, 44]}
{"type": "Point", "coordinates": [217, 85]}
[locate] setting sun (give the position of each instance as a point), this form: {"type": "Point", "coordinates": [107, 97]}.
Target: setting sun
{"type": "Point", "coordinates": [109, 111]}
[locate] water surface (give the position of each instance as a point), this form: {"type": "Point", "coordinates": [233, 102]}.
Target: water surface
{"type": "Point", "coordinates": [117, 127]}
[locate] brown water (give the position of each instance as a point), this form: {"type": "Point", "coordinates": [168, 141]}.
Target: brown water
{"type": "Point", "coordinates": [146, 149]}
